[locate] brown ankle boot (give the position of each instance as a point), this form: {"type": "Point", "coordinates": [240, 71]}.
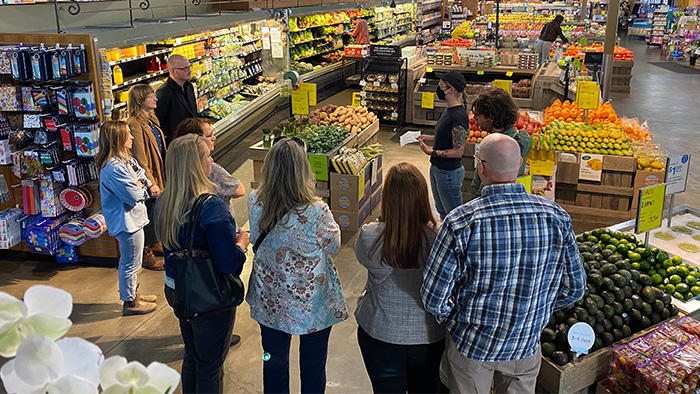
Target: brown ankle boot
{"type": "Point", "coordinates": [157, 249]}
{"type": "Point", "coordinates": [151, 262]}
{"type": "Point", "coordinates": [145, 297]}
{"type": "Point", "coordinates": [139, 308]}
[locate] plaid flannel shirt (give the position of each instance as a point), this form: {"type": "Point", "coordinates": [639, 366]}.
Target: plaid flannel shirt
{"type": "Point", "coordinates": [500, 266]}
{"type": "Point", "coordinates": [551, 31]}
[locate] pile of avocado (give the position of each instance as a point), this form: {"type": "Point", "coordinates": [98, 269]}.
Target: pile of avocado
{"type": "Point", "coordinates": [619, 300]}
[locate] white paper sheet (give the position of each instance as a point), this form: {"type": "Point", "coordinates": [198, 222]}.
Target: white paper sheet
{"type": "Point", "coordinates": [409, 137]}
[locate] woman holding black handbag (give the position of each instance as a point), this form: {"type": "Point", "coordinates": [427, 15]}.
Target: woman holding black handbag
{"type": "Point", "coordinates": [206, 320]}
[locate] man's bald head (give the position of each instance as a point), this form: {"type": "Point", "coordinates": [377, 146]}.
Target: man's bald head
{"type": "Point", "coordinates": [177, 61]}
{"type": "Point", "coordinates": [501, 157]}
{"type": "Point", "coordinates": [179, 69]}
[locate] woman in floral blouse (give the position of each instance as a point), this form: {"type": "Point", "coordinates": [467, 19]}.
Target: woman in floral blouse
{"type": "Point", "coordinates": [294, 287]}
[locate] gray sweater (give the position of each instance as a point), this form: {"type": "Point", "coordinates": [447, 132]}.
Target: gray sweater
{"type": "Point", "coordinates": [391, 309]}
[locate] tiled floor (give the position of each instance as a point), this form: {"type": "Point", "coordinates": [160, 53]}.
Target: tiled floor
{"type": "Point", "coordinates": [669, 101]}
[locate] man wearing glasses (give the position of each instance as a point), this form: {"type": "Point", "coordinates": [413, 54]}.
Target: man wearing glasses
{"type": "Point", "coordinates": [499, 267]}
{"type": "Point", "coordinates": [176, 98]}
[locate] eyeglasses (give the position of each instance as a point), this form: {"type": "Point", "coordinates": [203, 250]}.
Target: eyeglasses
{"type": "Point", "coordinates": [479, 160]}
{"type": "Point", "coordinates": [298, 140]}
{"type": "Point", "coordinates": [183, 68]}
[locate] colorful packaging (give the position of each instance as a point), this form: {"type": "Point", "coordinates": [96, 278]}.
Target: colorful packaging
{"type": "Point", "coordinates": [653, 378]}
{"type": "Point", "coordinates": [675, 333]}
{"type": "Point", "coordinates": [689, 325]}
{"type": "Point", "coordinates": [644, 347]}
{"type": "Point", "coordinates": [67, 254]}
{"type": "Point", "coordinates": [10, 228]}
{"type": "Point", "coordinates": [628, 359]}
{"type": "Point", "coordinates": [661, 341]}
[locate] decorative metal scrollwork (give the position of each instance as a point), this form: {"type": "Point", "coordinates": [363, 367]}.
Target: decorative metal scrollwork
{"type": "Point", "coordinates": [145, 4]}
{"type": "Point", "coordinates": [196, 2]}
{"type": "Point", "coordinates": [74, 8]}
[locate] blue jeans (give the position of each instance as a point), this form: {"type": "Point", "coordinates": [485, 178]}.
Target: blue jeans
{"type": "Point", "coordinates": [447, 188]}
{"type": "Point", "coordinates": [313, 352]}
{"type": "Point", "coordinates": [130, 256]}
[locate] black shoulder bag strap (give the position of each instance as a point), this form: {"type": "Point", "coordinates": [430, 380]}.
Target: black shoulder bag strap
{"type": "Point", "coordinates": [194, 219]}
{"type": "Point", "coordinates": [260, 239]}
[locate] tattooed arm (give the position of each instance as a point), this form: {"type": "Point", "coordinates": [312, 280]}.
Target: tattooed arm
{"type": "Point", "coordinates": [459, 138]}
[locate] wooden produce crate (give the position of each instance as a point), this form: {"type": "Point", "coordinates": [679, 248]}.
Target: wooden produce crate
{"type": "Point", "coordinates": [597, 204]}
{"type": "Point", "coordinates": [368, 136]}
{"type": "Point", "coordinates": [621, 76]}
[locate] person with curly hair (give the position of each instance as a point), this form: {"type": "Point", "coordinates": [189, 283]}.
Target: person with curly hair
{"type": "Point", "coordinates": [496, 112]}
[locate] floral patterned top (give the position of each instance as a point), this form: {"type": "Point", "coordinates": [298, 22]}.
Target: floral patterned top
{"type": "Point", "coordinates": [294, 285]}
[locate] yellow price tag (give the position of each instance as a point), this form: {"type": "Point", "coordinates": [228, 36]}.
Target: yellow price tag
{"type": "Point", "coordinates": [427, 100]}
{"type": "Point", "coordinates": [587, 94]}
{"type": "Point", "coordinates": [539, 167]}
{"type": "Point", "coordinates": [311, 88]}
{"type": "Point", "coordinates": [527, 181]}
{"type": "Point", "coordinates": [651, 208]}
{"type": "Point", "coordinates": [356, 99]}
{"type": "Point", "coordinates": [502, 83]}
{"type": "Point", "coordinates": [480, 73]}
{"type": "Point", "coordinates": [429, 70]}
{"type": "Point", "coordinates": [300, 102]}
{"type": "Point", "coordinates": [509, 74]}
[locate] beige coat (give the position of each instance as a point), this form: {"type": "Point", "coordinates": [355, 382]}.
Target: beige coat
{"type": "Point", "coordinates": [145, 150]}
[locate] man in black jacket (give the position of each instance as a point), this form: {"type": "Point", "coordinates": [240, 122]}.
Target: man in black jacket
{"type": "Point", "coordinates": [176, 98]}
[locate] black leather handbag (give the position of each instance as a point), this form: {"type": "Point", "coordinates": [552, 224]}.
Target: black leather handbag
{"type": "Point", "coordinates": [200, 288]}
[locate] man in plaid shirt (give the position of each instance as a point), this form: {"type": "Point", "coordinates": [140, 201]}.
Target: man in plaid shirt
{"type": "Point", "coordinates": [501, 264]}
{"type": "Point", "coordinates": [549, 33]}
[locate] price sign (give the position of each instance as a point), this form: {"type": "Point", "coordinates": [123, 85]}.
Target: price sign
{"type": "Point", "coordinates": [651, 208]}
{"type": "Point", "coordinates": [422, 80]}
{"type": "Point", "coordinates": [527, 181]}
{"type": "Point", "coordinates": [394, 85]}
{"type": "Point", "coordinates": [539, 167]}
{"type": "Point", "coordinates": [356, 99]}
{"type": "Point", "coordinates": [311, 88]}
{"type": "Point", "coordinates": [587, 95]}
{"type": "Point", "coordinates": [377, 83]}
{"type": "Point", "coordinates": [509, 74]}
{"type": "Point", "coordinates": [677, 174]}
{"type": "Point", "coordinates": [362, 94]}
{"type": "Point", "coordinates": [429, 70]}
{"type": "Point", "coordinates": [319, 166]}
{"type": "Point", "coordinates": [363, 83]}
{"type": "Point", "coordinates": [300, 102]}
{"type": "Point", "coordinates": [581, 337]}
{"type": "Point", "coordinates": [583, 41]}
{"type": "Point", "coordinates": [480, 73]}
{"type": "Point", "coordinates": [502, 83]}
{"type": "Point", "coordinates": [427, 100]}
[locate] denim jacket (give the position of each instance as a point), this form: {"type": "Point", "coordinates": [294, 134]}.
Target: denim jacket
{"type": "Point", "coordinates": [122, 199]}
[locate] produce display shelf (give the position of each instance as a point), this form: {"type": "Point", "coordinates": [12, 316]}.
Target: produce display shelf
{"type": "Point", "coordinates": [196, 40]}
{"type": "Point", "coordinates": [317, 54]}
{"type": "Point", "coordinates": [139, 78]}
{"type": "Point", "coordinates": [249, 53]}
{"type": "Point", "coordinates": [145, 55]}
{"type": "Point", "coordinates": [250, 64]}
{"type": "Point", "coordinates": [312, 27]}
{"type": "Point", "coordinates": [312, 40]}
{"type": "Point", "coordinates": [223, 85]}
{"type": "Point", "coordinates": [242, 43]}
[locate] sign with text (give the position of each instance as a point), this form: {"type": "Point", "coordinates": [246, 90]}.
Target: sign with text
{"type": "Point", "coordinates": [427, 100]}
{"type": "Point", "coordinates": [311, 88]}
{"type": "Point", "coordinates": [356, 99]}
{"type": "Point", "coordinates": [503, 84]}
{"type": "Point", "coordinates": [591, 167]}
{"type": "Point", "coordinates": [300, 102]}
{"type": "Point", "coordinates": [527, 181]}
{"type": "Point", "coordinates": [541, 167]}
{"type": "Point", "coordinates": [581, 337]}
{"type": "Point", "coordinates": [587, 94]}
{"type": "Point", "coordinates": [651, 208]}
{"type": "Point", "coordinates": [677, 168]}
{"type": "Point", "coordinates": [389, 51]}
{"type": "Point", "coordinates": [319, 166]}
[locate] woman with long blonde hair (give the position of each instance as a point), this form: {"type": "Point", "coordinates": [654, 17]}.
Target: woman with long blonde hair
{"type": "Point", "coordinates": [401, 342]}
{"type": "Point", "coordinates": [149, 150]}
{"type": "Point", "coordinates": [123, 185]}
{"type": "Point", "coordinates": [207, 336]}
{"type": "Point", "coordinates": [294, 284]}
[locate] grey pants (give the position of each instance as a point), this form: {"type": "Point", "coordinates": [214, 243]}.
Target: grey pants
{"type": "Point", "coordinates": [543, 48]}
{"type": "Point", "coordinates": [513, 377]}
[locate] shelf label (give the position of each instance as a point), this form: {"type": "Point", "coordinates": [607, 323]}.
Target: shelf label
{"type": "Point", "coordinates": [677, 173]}
{"type": "Point", "coordinates": [319, 166]}
{"type": "Point", "coordinates": [527, 181]}
{"type": "Point", "coordinates": [357, 99]}
{"type": "Point", "coordinates": [377, 83]}
{"type": "Point", "coordinates": [541, 167]}
{"type": "Point", "coordinates": [591, 167]}
{"type": "Point", "coordinates": [651, 208]}
{"type": "Point", "coordinates": [429, 70]}
{"type": "Point", "coordinates": [394, 85]}
{"type": "Point", "coordinates": [422, 80]}
{"type": "Point", "coordinates": [362, 93]}
{"type": "Point", "coordinates": [300, 102]}
{"type": "Point", "coordinates": [502, 83]}
{"type": "Point", "coordinates": [427, 100]}
{"type": "Point", "coordinates": [509, 74]}
{"type": "Point", "coordinates": [363, 103]}
{"type": "Point", "coordinates": [587, 95]}
{"type": "Point", "coordinates": [363, 83]}
{"type": "Point", "coordinates": [311, 88]}
{"type": "Point", "coordinates": [480, 73]}
{"type": "Point", "coordinates": [581, 337]}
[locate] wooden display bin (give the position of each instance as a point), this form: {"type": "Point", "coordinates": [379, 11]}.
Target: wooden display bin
{"type": "Point", "coordinates": [621, 76]}
{"type": "Point", "coordinates": [368, 136]}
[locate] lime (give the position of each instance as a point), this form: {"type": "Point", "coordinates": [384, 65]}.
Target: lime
{"type": "Point", "coordinates": [592, 239]}
{"type": "Point", "coordinates": [682, 271]}
{"type": "Point", "coordinates": [658, 267]}
{"type": "Point", "coordinates": [675, 279]}
{"type": "Point", "coordinates": [617, 235]}
{"type": "Point", "coordinates": [623, 249]}
{"type": "Point", "coordinates": [611, 247]}
{"type": "Point", "coordinates": [677, 260]}
{"type": "Point", "coordinates": [656, 279]}
{"type": "Point", "coordinates": [643, 251]}
{"type": "Point", "coordinates": [682, 288]}
{"type": "Point", "coordinates": [690, 280]}
{"type": "Point", "coordinates": [652, 272]}
{"type": "Point", "coordinates": [605, 238]}
{"type": "Point", "coordinates": [694, 269]}
{"type": "Point", "coordinates": [696, 274]}
{"type": "Point", "coordinates": [678, 296]}
{"type": "Point", "coordinates": [636, 265]}
{"type": "Point", "coordinates": [662, 256]}
{"type": "Point", "coordinates": [661, 287]}
{"type": "Point", "coordinates": [695, 290]}
{"type": "Point", "coordinates": [667, 263]}
{"type": "Point", "coordinates": [613, 241]}
{"type": "Point", "coordinates": [633, 256]}
{"type": "Point", "coordinates": [671, 270]}
{"type": "Point", "coordinates": [689, 296]}
{"type": "Point", "coordinates": [670, 289]}
{"type": "Point", "coordinates": [663, 273]}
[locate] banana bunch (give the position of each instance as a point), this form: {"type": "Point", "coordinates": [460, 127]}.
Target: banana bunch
{"type": "Point", "coordinates": [349, 161]}
{"type": "Point", "coordinates": [371, 151]}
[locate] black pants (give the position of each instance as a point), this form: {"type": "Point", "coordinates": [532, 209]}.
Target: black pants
{"type": "Point", "coordinates": [207, 340]}
{"type": "Point", "coordinates": [401, 368]}
{"type": "Point", "coordinates": [149, 231]}
{"type": "Point", "coordinates": [313, 352]}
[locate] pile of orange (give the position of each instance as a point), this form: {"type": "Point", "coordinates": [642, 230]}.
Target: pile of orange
{"type": "Point", "coordinates": [564, 112]}
{"type": "Point", "coordinates": [579, 52]}
{"type": "Point", "coordinates": [634, 130]}
{"type": "Point", "coordinates": [604, 114]}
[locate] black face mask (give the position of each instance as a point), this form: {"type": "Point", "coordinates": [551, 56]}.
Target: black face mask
{"type": "Point", "coordinates": [440, 93]}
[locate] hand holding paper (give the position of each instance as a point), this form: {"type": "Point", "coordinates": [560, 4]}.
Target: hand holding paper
{"type": "Point", "coordinates": [409, 137]}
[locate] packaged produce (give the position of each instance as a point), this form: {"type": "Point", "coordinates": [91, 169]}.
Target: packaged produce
{"type": "Point", "coordinates": [674, 333]}
{"type": "Point", "coordinates": [653, 378]}
{"type": "Point", "coordinates": [649, 157]}
{"type": "Point", "coordinates": [662, 342]}
{"type": "Point", "coordinates": [627, 359]}
{"type": "Point", "coordinates": [349, 161]}
{"type": "Point", "coordinates": [644, 347]}
{"type": "Point", "coordinates": [690, 325]}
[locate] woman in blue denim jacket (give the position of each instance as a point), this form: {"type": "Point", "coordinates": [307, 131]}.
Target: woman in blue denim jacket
{"type": "Point", "coordinates": [123, 186]}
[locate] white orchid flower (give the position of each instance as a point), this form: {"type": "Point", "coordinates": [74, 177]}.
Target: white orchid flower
{"type": "Point", "coordinates": [117, 376]}
{"type": "Point", "coordinates": [45, 311]}
{"type": "Point", "coordinates": [68, 366]}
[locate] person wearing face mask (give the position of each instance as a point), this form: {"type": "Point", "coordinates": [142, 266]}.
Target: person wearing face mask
{"type": "Point", "coordinates": [446, 170]}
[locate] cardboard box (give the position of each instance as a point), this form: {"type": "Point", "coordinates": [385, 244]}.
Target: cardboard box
{"type": "Point", "coordinates": [349, 192]}
{"type": "Point", "coordinates": [377, 173]}
{"type": "Point", "coordinates": [376, 200]}
{"type": "Point", "coordinates": [352, 221]}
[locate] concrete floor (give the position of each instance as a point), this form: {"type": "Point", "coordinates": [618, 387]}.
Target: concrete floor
{"type": "Point", "coordinates": [670, 101]}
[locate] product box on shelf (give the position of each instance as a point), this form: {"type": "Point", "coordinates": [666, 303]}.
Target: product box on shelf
{"type": "Point", "coordinates": [10, 228]}
{"type": "Point", "coordinates": [376, 199]}
{"type": "Point", "coordinates": [350, 192]}
{"type": "Point", "coordinates": [377, 173]}
{"type": "Point", "coordinates": [357, 51]}
{"type": "Point", "coordinates": [352, 221]}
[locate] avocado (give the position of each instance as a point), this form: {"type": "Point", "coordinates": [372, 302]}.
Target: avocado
{"type": "Point", "coordinates": [625, 317]}
{"type": "Point", "coordinates": [597, 344]}
{"type": "Point", "coordinates": [562, 332]}
{"type": "Point", "coordinates": [583, 248]}
{"type": "Point", "coordinates": [673, 309]}
{"type": "Point", "coordinates": [636, 287]}
{"type": "Point", "coordinates": [619, 280]}
{"type": "Point", "coordinates": [580, 314]}
{"type": "Point", "coordinates": [617, 307]}
{"type": "Point", "coordinates": [617, 334]}
{"type": "Point", "coordinates": [658, 293]}
{"type": "Point", "coordinates": [608, 284]}
{"type": "Point", "coordinates": [658, 306]}
{"type": "Point", "coordinates": [608, 297]}
{"type": "Point", "coordinates": [594, 271]}
{"type": "Point", "coordinates": [599, 316]}
{"type": "Point", "coordinates": [645, 280]}
{"type": "Point", "coordinates": [655, 317]}
{"type": "Point", "coordinates": [598, 329]}
{"type": "Point", "coordinates": [595, 265]}
{"type": "Point", "coordinates": [637, 301]}
{"type": "Point", "coordinates": [597, 256]}
{"type": "Point", "coordinates": [646, 309]}
{"type": "Point", "coordinates": [591, 289]}
{"type": "Point", "coordinates": [579, 303]}
{"type": "Point", "coordinates": [627, 305]}
{"type": "Point", "coordinates": [634, 275]}
{"type": "Point", "coordinates": [626, 331]}
{"type": "Point", "coordinates": [552, 322]}
{"type": "Point", "coordinates": [587, 256]}
{"type": "Point", "coordinates": [606, 253]}
{"type": "Point", "coordinates": [645, 322]}
{"type": "Point", "coordinates": [607, 326]}
{"type": "Point", "coordinates": [591, 306]}
{"type": "Point", "coordinates": [598, 300]}
{"type": "Point", "coordinates": [590, 320]}
{"type": "Point", "coordinates": [561, 316]}
{"type": "Point", "coordinates": [608, 311]}
{"type": "Point", "coordinates": [595, 279]}
{"type": "Point", "coordinates": [665, 314]}
{"type": "Point", "coordinates": [548, 348]}
{"type": "Point", "coordinates": [635, 315]}
{"type": "Point", "coordinates": [608, 269]}
{"type": "Point", "coordinates": [614, 258]}
{"type": "Point", "coordinates": [571, 321]}
{"type": "Point", "coordinates": [617, 321]}
{"type": "Point", "coordinates": [560, 358]}
{"type": "Point", "coordinates": [628, 291]}
{"type": "Point", "coordinates": [666, 299]}
{"type": "Point", "coordinates": [619, 294]}
{"type": "Point", "coordinates": [586, 267]}
{"type": "Point", "coordinates": [648, 294]}
{"type": "Point", "coordinates": [623, 265]}
{"type": "Point", "coordinates": [625, 274]}
{"type": "Point", "coordinates": [607, 338]}
{"type": "Point", "coordinates": [548, 335]}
